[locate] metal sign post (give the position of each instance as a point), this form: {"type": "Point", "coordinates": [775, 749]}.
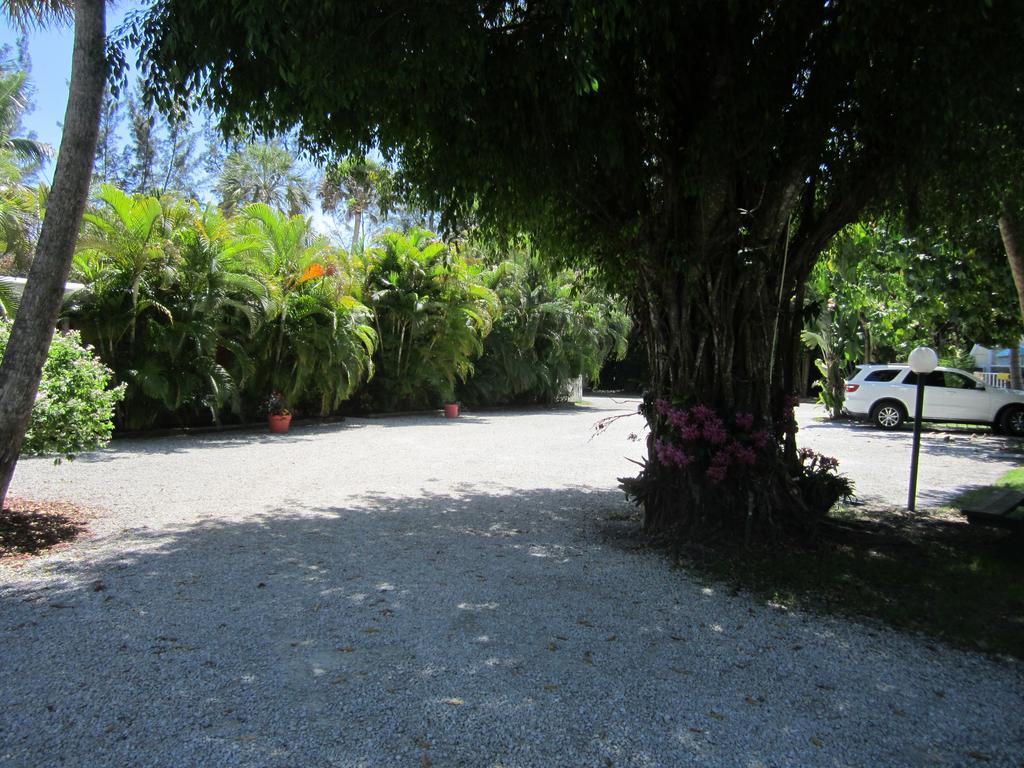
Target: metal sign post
{"type": "Point", "coordinates": [923, 361]}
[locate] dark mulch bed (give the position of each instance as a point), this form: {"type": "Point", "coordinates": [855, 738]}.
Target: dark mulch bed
{"type": "Point", "coordinates": [30, 527]}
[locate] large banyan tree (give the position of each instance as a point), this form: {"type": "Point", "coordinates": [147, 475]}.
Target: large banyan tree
{"type": "Point", "coordinates": [701, 153]}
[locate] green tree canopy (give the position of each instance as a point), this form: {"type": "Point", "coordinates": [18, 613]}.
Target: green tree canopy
{"type": "Point", "coordinates": [702, 153]}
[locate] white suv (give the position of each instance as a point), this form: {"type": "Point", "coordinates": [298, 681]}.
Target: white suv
{"type": "Point", "coordinates": [885, 394]}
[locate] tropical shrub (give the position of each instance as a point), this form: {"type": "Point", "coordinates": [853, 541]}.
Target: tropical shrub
{"type": "Point", "coordinates": [315, 344]}
{"type": "Point", "coordinates": [191, 359]}
{"type": "Point", "coordinates": [203, 316]}
{"type": "Point", "coordinates": [166, 303]}
{"type": "Point", "coordinates": [432, 312]}
{"type": "Point", "coordinates": [555, 325]}
{"type": "Point", "coordinates": [74, 408]}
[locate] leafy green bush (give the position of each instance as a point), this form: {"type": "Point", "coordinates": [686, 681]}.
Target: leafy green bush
{"type": "Point", "coordinates": [202, 316]}
{"type": "Point", "coordinates": [432, 312]}
{"type": "Point", "coordinates": [74, 408]}
{"type": "Point", "coordinates": [555, 325]}
{"type": "Point", "coordinates": [314, 343]}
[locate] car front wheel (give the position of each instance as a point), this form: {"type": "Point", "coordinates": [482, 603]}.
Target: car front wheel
{"type": "Point", "coordinates": [888, 415]}
{"type": "Point", "coordinates": [1012, 421]}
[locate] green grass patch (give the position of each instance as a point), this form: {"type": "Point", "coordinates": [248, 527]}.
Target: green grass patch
{"type": "Point", "coordinates": [1013, 479]}
{"type": "Point", "coordinates": [936, 575]}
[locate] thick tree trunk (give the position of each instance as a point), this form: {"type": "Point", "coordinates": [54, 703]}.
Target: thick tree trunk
{"type": "Point", "coordinates": [33, 328]}
{"type": "Point", "coordinates": [1009, 228]}
{"type": "Point", "coordinates": [720, 408]}
{"type": "Point", "coordinates": [836, 386]}
{"type": "Point", "coordinates": [869, 351]}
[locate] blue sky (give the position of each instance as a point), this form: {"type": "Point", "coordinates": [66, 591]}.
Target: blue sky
{"type": "Point", "coordinates": [50, 50]}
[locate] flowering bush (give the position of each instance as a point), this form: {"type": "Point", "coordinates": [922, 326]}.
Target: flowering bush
{"type": "Point", "coordinates": [703, 437]}
{"type": "Point", "coordinates": [74, 406]}
{"type": "Point", "coordinates": [700, 437]}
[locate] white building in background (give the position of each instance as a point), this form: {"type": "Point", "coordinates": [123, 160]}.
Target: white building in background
{"type": "Point", "coordinates": [16, 286]}
{"type": "Point", "coordinates": [994, 364]}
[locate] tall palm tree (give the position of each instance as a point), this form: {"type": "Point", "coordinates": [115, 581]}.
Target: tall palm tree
{"type": "Point", "coordinates": [21, 212]}
{"type": "Point", "coordinates": [12, 105]}
{"type": "Point", "coordinates": [363, 186]}
{"type": "Point", "coordinates": [20, 205]}
{"type": "Point", "coordinates": [263, 173]}
{"type": "Point", "coordinates": [22, 366]}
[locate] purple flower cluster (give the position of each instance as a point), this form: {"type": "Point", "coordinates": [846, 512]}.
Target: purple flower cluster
{"type": "Point", "coordinates": [719, 467]}
{"type": "Point", "coordinates": [677, 417]}
{"type": "Point", "coordinates": [736, 453]}
{"type": "Point", "coordinates": [703, 432]}
{"type": "Point", "coordinates": [690, 432]}
{"type": "Point", "coordinates": [699, 421]}
{"type": "Point", "coordinates": [744, 454]}
{"type": "Point", "coordinates": [672, 454]}
{"type": "Point", "coordinates": [817, 462]}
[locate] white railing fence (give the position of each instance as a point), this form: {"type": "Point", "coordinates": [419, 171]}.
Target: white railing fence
{"type": "Point", "coordinates": [995, 380]}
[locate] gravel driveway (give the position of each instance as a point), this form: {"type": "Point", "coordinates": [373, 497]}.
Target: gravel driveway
{"type": "Point", "coordinates": [418, 592]}
{"type": "Point", "coordinates": [878, 462]}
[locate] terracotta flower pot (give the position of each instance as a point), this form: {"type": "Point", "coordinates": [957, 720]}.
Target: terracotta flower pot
{"type": "Point", "coordinates": [451, 410]}
{"type": "Point", "coordinates": [279, 423]}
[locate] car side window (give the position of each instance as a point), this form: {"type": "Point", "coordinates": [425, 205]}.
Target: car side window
{"type": "Point", "coordinates": [959, 381]}
{"type": "Point", "coordinates": [933, 379]}
{"type": "Point", "coordinates": [886, 374]}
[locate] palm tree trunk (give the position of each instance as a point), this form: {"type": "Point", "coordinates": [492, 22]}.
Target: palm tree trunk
{"type": "Point", "coordinates": [357, 220]}
{"type": "Point", "coordinates": [1009, 228]}
{"type": "Point", "coordinates": [33, 329]}
{"type": "Point", "coordinates": [136, 287]}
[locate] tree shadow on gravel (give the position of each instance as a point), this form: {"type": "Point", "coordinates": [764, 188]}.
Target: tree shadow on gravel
{"type": "Point", "coordinates": [473, 629]}
{"type": "Point", "coordinates": [955, 443]}
{"type": "Point", "coordinates": [928, 571]}
{"type": "Point", "coordinates": [182, 443]}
